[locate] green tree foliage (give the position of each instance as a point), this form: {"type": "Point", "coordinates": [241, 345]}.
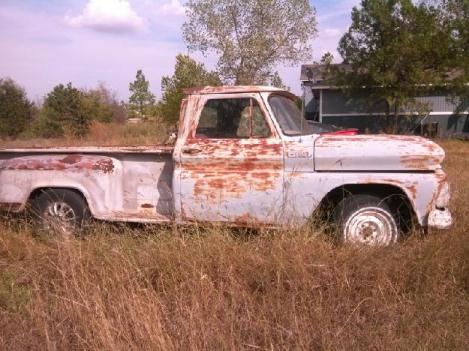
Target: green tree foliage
{"type": "Point", "coordinates": [327, 58]}
{"type": "Point", "coordinates": [251, 37]}
{"type": "Point", "coordinates": [141, 100]}
{"type": "Point", "coordinates": [45, 126]}
{"type": "Point", "coordinates": [396, 45]}
{"type": "Point", "coordinates": [15, 109]}
{"type": "Point", "coordinates": [455, 20]}
{"type": "Point", "coordinates": [277, 81]}
{"type": "Point", "coordinates": [64, 113]}
{"type": "Point", "coordinates": [327, 61]}
{"type": "Point", "coordinates": [102, 105]}
{"type": "Point", "coordinates": [187, 74]}
{"type": "Point", "coordinates": [70, 111]}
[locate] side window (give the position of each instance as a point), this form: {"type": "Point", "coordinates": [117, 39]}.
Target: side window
{"type": "Point", "coordinates": [232, 119]}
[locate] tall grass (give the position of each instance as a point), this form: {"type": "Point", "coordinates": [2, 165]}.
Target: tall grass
{"type": "Point", "coordinates": [103, 134]}
{"type": "Point", "coordinates": [165, 288]}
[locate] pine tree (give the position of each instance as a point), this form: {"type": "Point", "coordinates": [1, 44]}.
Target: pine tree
{"type": "Point", "coordinates": [187, 73]}
{"type": "Point", "coordinates": [141, 99]}
{"type": "Point", "coordinates": [397, 49]}
{"type": "Point", "coordinates": [64, 112]}
{"type": "Point", "coordinates": [15, 108]}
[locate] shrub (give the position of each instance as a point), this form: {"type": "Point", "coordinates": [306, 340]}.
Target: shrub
{"type": "Point", "coordinates": [65, 106]}
{"type": "Point", "coordinates": [15, 109]}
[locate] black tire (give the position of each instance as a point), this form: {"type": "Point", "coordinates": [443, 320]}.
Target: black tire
{"type": "Point", "coordinates": [366, 220]}
{"type": "Point", "coordinates": [61, 211]}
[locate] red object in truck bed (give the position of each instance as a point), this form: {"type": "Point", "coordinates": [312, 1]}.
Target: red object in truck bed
{"type": "Point", "coordinates": [351, 131]}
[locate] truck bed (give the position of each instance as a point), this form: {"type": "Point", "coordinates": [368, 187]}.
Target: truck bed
{"type": "Point", "coordinates": [128, 183]}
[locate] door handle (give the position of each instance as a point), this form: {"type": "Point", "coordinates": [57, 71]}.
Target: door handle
{"type": "Point", "coordinates": [191, 151]}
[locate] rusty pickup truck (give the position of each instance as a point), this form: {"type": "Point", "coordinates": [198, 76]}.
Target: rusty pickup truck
{"type": "Point", "coordinates": [243, 156]}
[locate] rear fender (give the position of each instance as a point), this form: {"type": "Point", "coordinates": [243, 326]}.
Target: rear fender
{"type": "Point", "coordinates": [97, 178]}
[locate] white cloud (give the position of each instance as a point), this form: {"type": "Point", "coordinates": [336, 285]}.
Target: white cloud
{"type": "Point", "coordinates": [108, 16]}
{"type": "Point", "coordinates": [39, 52]}
{"type": "Point", "coordinates": [173, 8]}
{"type": "Point", "coordinates": [332, 32]}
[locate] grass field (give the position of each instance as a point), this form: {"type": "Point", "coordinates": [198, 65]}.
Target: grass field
{"type": "Point", "coordinates": [153, 288]}
{"type": "Point", "coordinates": [102, 134]}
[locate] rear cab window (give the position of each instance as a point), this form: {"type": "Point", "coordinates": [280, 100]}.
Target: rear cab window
{"type": "Point", "coordinates": [232, 118]}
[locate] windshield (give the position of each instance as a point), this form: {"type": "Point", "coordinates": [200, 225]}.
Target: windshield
{"type": "Point", "coordinates": [289, 116]}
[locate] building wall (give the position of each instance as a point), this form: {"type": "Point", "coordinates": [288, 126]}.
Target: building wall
{"type": "Point", "coordinates": [336, 102]}
{"type": "Point", "coordinates": [444, 125]}
{"type": "Point", "coordinates": [370, 116]}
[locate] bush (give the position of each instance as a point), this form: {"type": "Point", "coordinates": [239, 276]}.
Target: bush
{"type": "Point", "coordinates": [15, 109]}
{"type": "Point", "coordinates": [102, 105]}
{"type": "Point", "coordinates": [45, 127]}
{"type": "Point", "coordinates": [65, 110]}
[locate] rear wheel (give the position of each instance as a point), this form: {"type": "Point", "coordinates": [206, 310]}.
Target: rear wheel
{"type": "Point", "coordinates": [61, 211]}
{"type": "Point", "coordinates": [366, 220]}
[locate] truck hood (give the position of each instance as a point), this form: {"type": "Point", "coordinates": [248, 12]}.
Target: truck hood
{"type": "Point", "coordinates": [376, 153]}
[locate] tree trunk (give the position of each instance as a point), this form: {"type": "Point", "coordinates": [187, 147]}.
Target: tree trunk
{"type": "Point", "coordinates": [392, 119]}
{"type": "Point", "coordinates": [395, 126]}
{"type": "Point", "coordinates": [388, 127]}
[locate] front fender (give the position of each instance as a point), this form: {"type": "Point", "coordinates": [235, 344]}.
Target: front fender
{"type": "Point", "coordinates": [305, 191]}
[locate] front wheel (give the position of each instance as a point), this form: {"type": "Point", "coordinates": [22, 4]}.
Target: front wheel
{"type": "Point", "coordinates": [366, 220]}
{"type": "Point", "coordinates": [61, 211]}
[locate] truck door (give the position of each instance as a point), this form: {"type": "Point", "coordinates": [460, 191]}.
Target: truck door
{"type": "Point", "coordinates": [231, 165]}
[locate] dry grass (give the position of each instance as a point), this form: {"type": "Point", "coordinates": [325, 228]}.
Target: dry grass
{"type": "Point", "coordinates": [103, 134]}
{"type": "Point", "coordinates": [189, 288]}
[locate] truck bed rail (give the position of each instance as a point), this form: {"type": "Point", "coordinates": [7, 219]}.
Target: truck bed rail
{"type": "Point", "coordinates": [151, 149]}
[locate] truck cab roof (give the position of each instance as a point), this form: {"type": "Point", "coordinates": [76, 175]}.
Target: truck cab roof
{"type": "Point", "coordinates": [229, 89]}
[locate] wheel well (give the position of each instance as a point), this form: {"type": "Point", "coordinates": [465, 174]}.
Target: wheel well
{"type": "Point", "coordinates": [394, 196]}
{"type": "Point", "coordinates": [37, 192]}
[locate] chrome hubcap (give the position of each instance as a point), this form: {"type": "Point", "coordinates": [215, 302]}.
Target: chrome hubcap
{"type": "Point", "coordinates": [59, 216]}
{"type": "Point", "coordinates": [371, 226]}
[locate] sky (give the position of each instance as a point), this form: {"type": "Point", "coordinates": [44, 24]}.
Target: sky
{"type": "Point", "coordinates": [86, 42]}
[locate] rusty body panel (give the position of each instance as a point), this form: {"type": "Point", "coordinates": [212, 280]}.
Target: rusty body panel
{"type": "Point", "coordinates": [230, 178]}
{"type": "Point", "coordinates": [377, 153]}
{"type": "Point", "coordinates": [232, 90]}
{"type": "Point", "coordinates": [69, 163]}
{"type": "Point", "coordinates": [416, 186]}
{"type": "Point", "coordinates": [116, 185]}
{"type": "Point", "coordinates": [278, 180]}
{"type": "Point", "coordinates": [227, 179]}
{"type": "Point", "coordinates": [90, 150]}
